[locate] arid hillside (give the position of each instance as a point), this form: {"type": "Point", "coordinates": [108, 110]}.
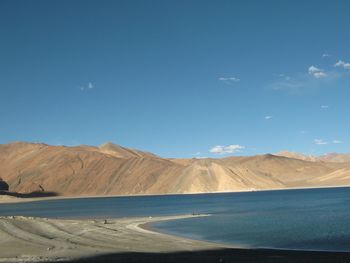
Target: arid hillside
{"type": "Point", "coordinates": [114, 170]}
{"type": "Point", "coordinates": [330, 157]}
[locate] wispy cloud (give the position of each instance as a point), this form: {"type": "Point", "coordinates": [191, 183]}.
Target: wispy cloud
{"type": "Point", "coordinates": [320, 142]}
{"type": "Point", "coordinates": [198, 155]}
{"type": "Point", "coordinates": [312, 79]}
{"type": "Point", "coordinates": [316, 72]}
{"type": "Point", "coordinates": [342, 64]}
{"type": "Point", "coordinates": [324, 106]}
{"type": "Point", "coordinates": [268, 117]}
{"type": "Point", "coordinates": [285, 77]}
{"type": "Point", "coordinates": [291, 84]}
{"type": "Point", "coordinates": [229, 80]}
{"type": "Point", "coordinates": [89, 86]}
{"type": "Point", "coordinates": [337, 141]}
{"type": "Point", "coordinates": [59, 141]}
{"type": "Point", "coordinates": [221, 149]}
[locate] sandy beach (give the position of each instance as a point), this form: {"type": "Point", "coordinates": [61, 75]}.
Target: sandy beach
{"type": "Point", "coordinates": [35, 239]}
{"type": "Point", "coordinates": [28, 239]}
{"type": "Point", "coordinates": [5, 199]}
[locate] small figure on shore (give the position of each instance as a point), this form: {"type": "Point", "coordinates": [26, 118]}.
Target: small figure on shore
{"type": "Point", "coordinates": [105, 222]}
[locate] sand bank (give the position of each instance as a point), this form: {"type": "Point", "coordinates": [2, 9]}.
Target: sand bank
{"type": "Point", "coordinates": [28, 239]}
{"type": "Point", "coordinates": [5, 199]}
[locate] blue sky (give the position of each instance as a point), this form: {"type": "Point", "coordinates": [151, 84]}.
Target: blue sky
{"type": "Point", "coordinates": [180, 78]}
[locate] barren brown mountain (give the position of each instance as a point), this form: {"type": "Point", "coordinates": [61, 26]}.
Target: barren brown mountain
{"type": "Point", "coordinates": [115, 170]}
{"type": "Point", "coordinates": [330, 157]}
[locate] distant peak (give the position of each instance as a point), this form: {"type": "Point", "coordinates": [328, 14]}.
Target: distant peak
{"type": "Point", "coordinates": [122, 152]}
{"type": "Point", "coordinates": [108, 144]}
{"type": "Point", "coordinates": [20, 144]}
{"type": "Point", "coordinates": [296, 155]}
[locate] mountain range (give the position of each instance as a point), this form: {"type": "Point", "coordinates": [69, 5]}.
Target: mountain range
{"type": "Point", "coordinates": [115, 170]}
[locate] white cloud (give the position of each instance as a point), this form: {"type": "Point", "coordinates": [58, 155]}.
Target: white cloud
{"type": "Point", "coordinates": [325, 55]}
{"type": "Point", "coordinates": [308, 81]}
{"type": "Point", "coordinates": [320, 142]}
{"type": "Point", "coordinates": [342, 64]}
{"type": "Point", "coordinates": [221, 149]}
{"type": "Point", "coordinates": [319, 75]}
{"type": "Point", "coordinates": [337, 141]}
{"type": "Point", "coordinates": [324, 106]}
{"type": "Point", "coordinates": [268, 117]}
{"type": "Point", "coordinates": [282, 84]}
{"type": "Point", "coordinates": [311, 80]}
{"type": "Point", "coordinates": [89, 86]}
{"type": "Point", "coordinates": [229, 80]}
{"type": "Point", "coordinates": [316, 72]}
{"type": "Point", "coordinates": [313, 69]}
{"type": "Point", "coordinates": [285, 77]}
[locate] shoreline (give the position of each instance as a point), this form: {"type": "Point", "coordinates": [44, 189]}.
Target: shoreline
{"type": "Point", "coordinates": [29, 239]}
{"type": "Point", "coordinates": [148, 227]}
{"type": "Point", "coordinates": [5, 199]}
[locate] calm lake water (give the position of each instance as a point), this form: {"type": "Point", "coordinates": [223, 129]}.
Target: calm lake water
{"type": "Point", "coordinates": [316, 219]}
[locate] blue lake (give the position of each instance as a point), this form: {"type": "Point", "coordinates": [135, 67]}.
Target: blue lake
{"type": "Point", "coordinates": [313, 219]}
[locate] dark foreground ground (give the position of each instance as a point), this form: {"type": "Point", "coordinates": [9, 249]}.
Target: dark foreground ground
{"type": "Point", "coordinates": [223, 255]}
